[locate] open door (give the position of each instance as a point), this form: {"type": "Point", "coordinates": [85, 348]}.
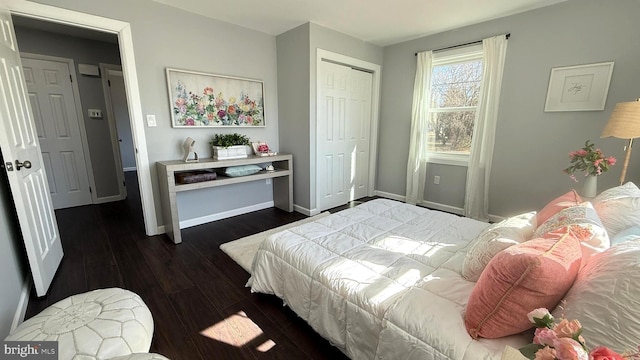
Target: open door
{"type": "Point", "coordinates": [23, 163]}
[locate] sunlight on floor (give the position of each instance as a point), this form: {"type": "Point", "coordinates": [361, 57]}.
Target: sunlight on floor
{"type": "Point", "coordinates": [237, 330]}
{"type": "Point", "coordinates": [266, 346]}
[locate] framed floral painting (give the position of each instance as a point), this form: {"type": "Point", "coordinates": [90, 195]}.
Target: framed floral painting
{"type": "Point", "coordinates": [209, 100]}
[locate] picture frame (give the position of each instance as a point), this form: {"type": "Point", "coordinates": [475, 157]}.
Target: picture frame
{"type": "Point", "coordinates": [262, 149]}
{"type": "Point", "coordinates": [198, 99]}
{"type": "Point", "coordinates": [579, 88]}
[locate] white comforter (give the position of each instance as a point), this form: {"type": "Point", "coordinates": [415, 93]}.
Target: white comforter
{"type": "Point", "coordinates": [380, 281]}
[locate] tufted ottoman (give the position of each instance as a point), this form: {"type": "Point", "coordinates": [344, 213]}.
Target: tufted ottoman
{"type": "Point", "coordinates": [99, 324]}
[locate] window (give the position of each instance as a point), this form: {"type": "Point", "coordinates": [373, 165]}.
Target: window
{"type": "Point", "coordinates": [456, 76]}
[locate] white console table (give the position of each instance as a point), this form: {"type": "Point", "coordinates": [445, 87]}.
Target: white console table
{"type": "Point", "coordinates": [282, 183]}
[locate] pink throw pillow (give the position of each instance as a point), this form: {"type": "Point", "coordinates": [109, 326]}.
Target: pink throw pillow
{"type": "Point", "coordinates": [524, 277]}
{"type": "Point", "coordinates": [558, 204]}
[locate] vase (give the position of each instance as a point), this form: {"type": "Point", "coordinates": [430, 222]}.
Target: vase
{"type": "Point", "coordinates": [590, 186]}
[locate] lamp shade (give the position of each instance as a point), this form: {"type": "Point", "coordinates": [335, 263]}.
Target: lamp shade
{"type": "Point", "coordinates": [624, 122]}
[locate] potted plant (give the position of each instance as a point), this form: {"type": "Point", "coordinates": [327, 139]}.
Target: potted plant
{"type": "Point", "coordinates": [229, 146]}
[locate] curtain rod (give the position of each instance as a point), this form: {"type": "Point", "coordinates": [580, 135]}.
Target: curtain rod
{"type": "Point", "coordinates": [461, 45]}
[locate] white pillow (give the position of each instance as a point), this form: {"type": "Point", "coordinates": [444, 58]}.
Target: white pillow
{"type": "Point", "coordinates": [605, 298]}
{"type": "Point", "coordinates": [619, 208]}
{"type": "Point", "coordinates": [631, 233]}
{"type": "Point", "coordinates": [495, 238]}
{"type": "Point", "coordinates": [585, 225]}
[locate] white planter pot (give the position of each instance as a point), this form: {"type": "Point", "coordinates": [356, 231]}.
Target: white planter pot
{"type": "Point", "coordinates": [231, 152]}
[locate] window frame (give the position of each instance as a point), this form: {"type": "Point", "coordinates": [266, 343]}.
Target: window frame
{"type": "Point", "coordinates": [446, 57]}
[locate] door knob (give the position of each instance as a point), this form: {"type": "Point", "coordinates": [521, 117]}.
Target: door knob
{"type": "Point", "coordinates": [26, 164]}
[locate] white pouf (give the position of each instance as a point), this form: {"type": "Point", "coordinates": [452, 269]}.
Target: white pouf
{"type": "Point", "coordinates": [95, 325]}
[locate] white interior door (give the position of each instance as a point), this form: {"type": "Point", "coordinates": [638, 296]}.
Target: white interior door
{"type": "Point", "coordinates": [21, 152]}
{"type": "Point", "coordinates": [343, 128]}
{"type": "Point", "coordinates": [333, 158]}
{"type": "Point", "coordinates": [117, 103]}
{"type": "Point", "coordinates": [58, 126]}
{"type": "Point", "coordinates": [359, 130]}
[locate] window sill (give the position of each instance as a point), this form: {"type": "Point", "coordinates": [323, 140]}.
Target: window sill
{"type": "Point", "coordinates": [454, 161]}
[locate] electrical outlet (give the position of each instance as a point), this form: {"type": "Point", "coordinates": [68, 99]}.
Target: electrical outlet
{"type": "Point", "coordinates": [436, 180]}
{"type": "Point", "coordinates": [268, 181]}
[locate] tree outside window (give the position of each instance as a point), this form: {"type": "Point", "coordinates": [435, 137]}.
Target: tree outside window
{"type": "Point", "coordinates": [455, 89]}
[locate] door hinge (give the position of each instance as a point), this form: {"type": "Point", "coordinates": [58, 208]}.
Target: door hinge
{"type": "Point", "coordinates": [108, 82]}
{"type": "Point", "coordinates": [90, 190]}
{"type": "Point", "coordinates": [124, 184]}
{"type": "Point", "coordinates": [71, 78]}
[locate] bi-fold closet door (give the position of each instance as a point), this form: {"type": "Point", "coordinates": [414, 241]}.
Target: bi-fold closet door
{"type": "Point", "coordinates": [343, 134]}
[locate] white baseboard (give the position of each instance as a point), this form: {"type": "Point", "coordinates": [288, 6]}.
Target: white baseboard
{"type": "Point", "coordinates": [433, 205]}
{"type": "Point", "coordinates": [443, 207]}
{"type": "Point", "coordinates": [160, 230]}
{"type": "Point", "coordinates": [106, 199]}
{"type": "Point", "coordinates": [389, 195]}
{"type": "Point", "coordinates": [133, 168]}
{"type": "Point", "coordinates": [305, 211]}
{"type": "Point", "coordinates": [301, 210]}
{"type": "Point", "coordinates": [225, 214]}
{"type": "Point", "coordinates": [21, 310]}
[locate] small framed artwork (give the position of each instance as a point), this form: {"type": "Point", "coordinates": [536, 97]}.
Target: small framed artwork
{"type": "Point", "coordinates": [579, 88]}
{"type": "Point", "coordinates": [262, 149]}
{"type": "Point", "coordinates": [209, 100]}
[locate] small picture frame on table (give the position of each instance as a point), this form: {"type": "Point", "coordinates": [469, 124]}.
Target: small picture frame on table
{"type": "Point", "coordinates": [262, 149]}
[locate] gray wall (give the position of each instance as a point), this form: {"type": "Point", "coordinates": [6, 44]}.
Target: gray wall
{"type": "Point", "coordinates": [164, 37]}
{"type": "Point", "coordinates": [532, 146]}
{"type": "Point", "coordinates": [298, 79]}
{"type": "Point", "coordinates": [83, 51]}
{"type": "Point", "coordinates": [12, 264]}
{"type": "Point", "coordinates": [293, 107]}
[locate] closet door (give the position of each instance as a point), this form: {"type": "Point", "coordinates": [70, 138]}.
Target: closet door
{"type": "Point", "coordinates": [343, 128]}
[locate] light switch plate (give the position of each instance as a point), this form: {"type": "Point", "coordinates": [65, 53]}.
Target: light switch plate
{"type": "Point", "coordinates": [151, 120]}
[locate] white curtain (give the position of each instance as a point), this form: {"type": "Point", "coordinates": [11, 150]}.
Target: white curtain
{"type": "Point", "coordinates": [417, 163]}
{"type": "Point", "coordinates": [476, 203]}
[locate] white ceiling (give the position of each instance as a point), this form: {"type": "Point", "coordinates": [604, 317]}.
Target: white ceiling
{"type": "Point", "coordinates": [381, 22]}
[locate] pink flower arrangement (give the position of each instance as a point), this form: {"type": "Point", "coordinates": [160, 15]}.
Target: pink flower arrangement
{"type": "Point", "coordinates": [589, 160]}
{"type": "Point", "coordinates": [562, 340]}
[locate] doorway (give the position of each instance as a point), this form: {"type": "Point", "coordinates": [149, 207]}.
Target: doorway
{"type": "Point", "coordinates": [122, 30]}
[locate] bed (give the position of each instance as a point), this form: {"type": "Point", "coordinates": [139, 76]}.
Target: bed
{"type": "Point", "coordinates": [380, 281]}
{"type": "Point", "coordinates": [388, 280]}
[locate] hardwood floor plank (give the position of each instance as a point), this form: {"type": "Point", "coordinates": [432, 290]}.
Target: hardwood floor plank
{"type": "Point", "coordinates": [170, 337]}
{"type": "Point", "coordinates": [268, 341]}
{"type": "Point", "coordinates": [169, 271]}
{"type": "Point", "coordinates": [208, 278]}
{"type": "Point", "coordinates": [206, 326]}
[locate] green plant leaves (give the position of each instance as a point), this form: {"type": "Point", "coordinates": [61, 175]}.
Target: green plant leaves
{"type": "Point", "coordinates": [226, 140]}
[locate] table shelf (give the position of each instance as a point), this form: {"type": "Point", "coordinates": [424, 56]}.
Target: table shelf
{"type": "Point", "coordinates": [282, 183]}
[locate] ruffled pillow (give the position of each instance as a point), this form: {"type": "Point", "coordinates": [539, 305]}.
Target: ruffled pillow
{"type": "Point", "coordinates": [583, 222]}
{"type": "Point", "coordinates": [495, 238]}
{"type": "Point", "coordinates": [619, 208]}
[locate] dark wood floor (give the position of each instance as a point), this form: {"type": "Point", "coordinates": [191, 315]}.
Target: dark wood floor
{"type": "Point", "coordinates": [200, 306]}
